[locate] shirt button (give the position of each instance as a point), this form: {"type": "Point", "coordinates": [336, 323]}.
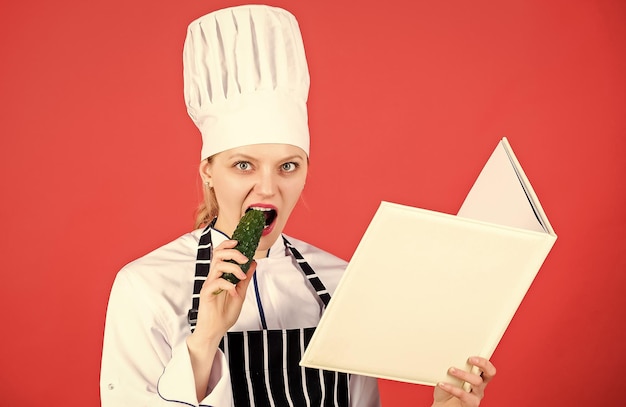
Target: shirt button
{"type": "Point", "coordinates": [111, 386]}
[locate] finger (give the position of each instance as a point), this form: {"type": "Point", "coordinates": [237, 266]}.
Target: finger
{"type": "Point", "coordinates": [239, 289]}
{"type": "Point", "coordinates": [474, 380]}
{"type": "Point", "coordinates": [214, 282]}
{"type": "Point", "coordinates": [229, 254]}
{"type": "Point", "coordinates": [224, 250]}
{"type": "Point", "coordinates": [228, 267]}
{"type": "Point", "coordinates": [466, 398]}
{"type": "Point", "coordinates": [486, 367]}
{"type": "Point", "coordinates": [242, 286]}
{"type": "Point", "coordinates": [226, 244]}
{"type": "Point", "coordinates": [219, 269]}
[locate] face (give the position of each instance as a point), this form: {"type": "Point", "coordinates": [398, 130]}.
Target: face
{"type": "Point", "coordinates": [265, 176]}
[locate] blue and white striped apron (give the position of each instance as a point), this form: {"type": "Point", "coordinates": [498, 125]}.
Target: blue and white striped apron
{"type": "Point", "coordinates": [264, 364]}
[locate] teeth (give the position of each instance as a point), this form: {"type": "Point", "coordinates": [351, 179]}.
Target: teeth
{"type": "Point", "coordinates": [270, 214]}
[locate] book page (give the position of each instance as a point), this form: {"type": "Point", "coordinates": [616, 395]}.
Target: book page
{"type": "Point", "coordinates": [500, 195]}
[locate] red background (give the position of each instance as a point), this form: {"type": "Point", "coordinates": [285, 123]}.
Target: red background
{"type": "Point", "coordinates": [408, 99]}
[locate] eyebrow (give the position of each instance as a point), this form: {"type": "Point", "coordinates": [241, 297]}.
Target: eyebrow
{"type": "Point", "coordinates": [251, 158]}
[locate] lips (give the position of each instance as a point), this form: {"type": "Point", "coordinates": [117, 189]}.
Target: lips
{"type": "Point", "coordinates": [270, 216]}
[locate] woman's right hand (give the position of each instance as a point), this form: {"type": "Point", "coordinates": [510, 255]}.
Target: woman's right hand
{"type": "Point", "coordinates": [220, 300]}
{"type": "Point", "coordinates": [220, 306]}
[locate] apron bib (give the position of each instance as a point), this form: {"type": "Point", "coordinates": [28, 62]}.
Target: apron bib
{"type": "Point", "coordinates": [265, 364]}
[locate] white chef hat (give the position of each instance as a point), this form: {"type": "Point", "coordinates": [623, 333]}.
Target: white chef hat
{"type": "Point", "coordinates": [246, 79]}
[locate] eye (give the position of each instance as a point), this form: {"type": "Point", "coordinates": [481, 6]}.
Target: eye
{"type": "Point", "coordinates": [289, 166]}
{"type": "Point", "coordinates": [242, 165]}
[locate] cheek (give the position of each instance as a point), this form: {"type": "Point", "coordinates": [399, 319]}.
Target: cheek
{"type": "Point", "coordinates": [231, 187]}
{"type": "Point", "coordinates": [229, 195]}
{"type": "Point", "coordinates": [293, 191]}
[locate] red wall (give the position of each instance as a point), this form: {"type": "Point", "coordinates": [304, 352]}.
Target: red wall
{"type": "Point", "coordinates": [408, 99]}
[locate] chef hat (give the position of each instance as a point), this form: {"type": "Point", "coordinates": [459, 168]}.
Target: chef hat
{"type": "Point", "coordinates": [246, 79]}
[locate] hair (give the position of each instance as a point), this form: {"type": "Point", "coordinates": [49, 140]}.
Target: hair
{"type": "Point", "coordinates": [208, 208]}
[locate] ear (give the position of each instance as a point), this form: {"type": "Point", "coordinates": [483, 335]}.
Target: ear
{"type": "Point", "coordinates": [205, 173]}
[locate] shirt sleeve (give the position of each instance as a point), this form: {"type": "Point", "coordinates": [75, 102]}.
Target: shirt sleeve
{"type": "Point", "coordinates": [364, 391]}
{"type": "Point", "coordinates": [140, 367]}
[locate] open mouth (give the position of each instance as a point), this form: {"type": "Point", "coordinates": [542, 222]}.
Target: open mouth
{"type": "Point", "coordinates": [270, 214]}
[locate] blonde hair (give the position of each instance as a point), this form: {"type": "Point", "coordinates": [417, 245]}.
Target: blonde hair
{"type": "Point", "coordinates": [208, 208]}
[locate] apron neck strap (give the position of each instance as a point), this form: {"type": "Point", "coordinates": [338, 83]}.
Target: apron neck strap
{"type": "Point", "coordinates": [312, 278]}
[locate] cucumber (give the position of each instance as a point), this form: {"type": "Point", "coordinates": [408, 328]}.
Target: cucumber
{"type": "Point", "coordinates": [247, 234]}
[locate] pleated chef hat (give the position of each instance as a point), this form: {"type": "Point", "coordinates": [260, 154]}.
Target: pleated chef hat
{"type": "Point", "coordinates": [246, 79]}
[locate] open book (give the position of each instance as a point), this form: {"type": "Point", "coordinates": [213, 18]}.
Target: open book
{"type": "Point", "coordinates": [425, 290]}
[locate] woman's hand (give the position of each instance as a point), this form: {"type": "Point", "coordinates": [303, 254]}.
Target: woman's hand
{"type": "Point", "coordinates": [219, 309]}
{"type": "Point", "coordinates": [220, 300]}
{"type": "Point", "coordinates": [448, 395]}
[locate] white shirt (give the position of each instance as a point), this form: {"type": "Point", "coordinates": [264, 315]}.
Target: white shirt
{"type": "Point", "coordinates": [145, 361]}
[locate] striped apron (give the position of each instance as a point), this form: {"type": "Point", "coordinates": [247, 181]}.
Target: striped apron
{"type": "Point", "coordinates": [264, 364]}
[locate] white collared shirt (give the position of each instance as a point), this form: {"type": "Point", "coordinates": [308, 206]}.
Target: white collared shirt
{"type": "Point", "coordinates": [145, 361]}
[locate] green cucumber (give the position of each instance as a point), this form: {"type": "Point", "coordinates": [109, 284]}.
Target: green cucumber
{"type": "Point", "coordinates": [247, 234]}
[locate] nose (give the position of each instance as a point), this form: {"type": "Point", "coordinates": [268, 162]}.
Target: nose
{"type": "Point", "coordinates": [266, 184]}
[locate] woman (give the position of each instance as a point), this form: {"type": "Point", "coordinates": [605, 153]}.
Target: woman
{"type": "Point", "coordinates": [178, 333]}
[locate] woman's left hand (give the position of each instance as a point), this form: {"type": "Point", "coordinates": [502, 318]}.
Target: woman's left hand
{"type": "Point", "coordinates": [448, 395]}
